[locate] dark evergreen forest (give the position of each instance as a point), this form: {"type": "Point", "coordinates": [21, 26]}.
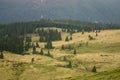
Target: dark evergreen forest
{"type": "Point", "coordinates": [13, 35]}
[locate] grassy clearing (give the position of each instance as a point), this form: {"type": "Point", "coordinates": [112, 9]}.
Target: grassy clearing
{"type": "Point", "coordinates": [99, 48]}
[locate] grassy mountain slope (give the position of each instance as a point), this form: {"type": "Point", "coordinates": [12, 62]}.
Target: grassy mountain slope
{"type": "Point", "coordinates": [103, 52]}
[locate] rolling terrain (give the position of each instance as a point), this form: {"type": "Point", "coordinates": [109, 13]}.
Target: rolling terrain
{"type": "Point", "coordinates": [102, 52]}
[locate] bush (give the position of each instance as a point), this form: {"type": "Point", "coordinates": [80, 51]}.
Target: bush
{"type": "Point", "coordinates": [69, 64]}
{"type": "Point", "coordinates": [90, 37]}
{"type": "Point", "coordinates": [62, 47]}
{"type": "Point", "coordinates": [96, 34]}
{"type": "Point", "coordinates": [86, 43]}
{"type": "Point", "coordinates": [70, 47]}
{"type": "Point", "coordinates": [80, 44]}
{"type": "Point", "coordinates": [64, 59]}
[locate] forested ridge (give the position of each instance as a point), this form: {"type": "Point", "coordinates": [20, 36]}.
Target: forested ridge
{"type": "Point", "coordinates": [12, 35]}
{"type": "Point", "coordinates": [20, 28]}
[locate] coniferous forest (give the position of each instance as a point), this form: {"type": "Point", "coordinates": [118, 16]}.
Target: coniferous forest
{"type": "Point", "coordinates": [13, 35]}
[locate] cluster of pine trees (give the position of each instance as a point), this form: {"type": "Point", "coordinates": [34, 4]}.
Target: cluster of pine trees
{"type": "Point", "coordinates": [49, 35]}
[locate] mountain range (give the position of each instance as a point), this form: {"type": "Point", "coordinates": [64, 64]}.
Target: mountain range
{"type": "Point", "coordinates": [105, 11]}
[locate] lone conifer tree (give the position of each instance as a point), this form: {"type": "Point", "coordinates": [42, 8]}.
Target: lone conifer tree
{"type": "Point", "coordinates": [66, 39]}
{"type": "Point", "coordinates": [41, 52]}
{"type": "Point", "coordinates": [34, 50]}
{"type": "Point", "coordinates": [94, 69]}
{"type": "Point", "coordinates": [70, 37]}
{"type": "Point", "coordinates": [37, 45]}
{"type": "Point", "coordinates": [32, 60]}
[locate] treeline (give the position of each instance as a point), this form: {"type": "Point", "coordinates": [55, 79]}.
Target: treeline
{"type": "Point", "coordinates": [12, 36]}
{"type": "Point", "coordinates": [21, 28]}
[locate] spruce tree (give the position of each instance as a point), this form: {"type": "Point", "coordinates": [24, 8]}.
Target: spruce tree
{"type": "Point", "coordinates": [34, 50]}
{"type": "Point", "coordinates": [41, 52]}
{"type": "Point", "coordinates": [49, 45]}
{"type": "Point", "coordinates": [66, 39]}
{"type": "Point", "coordinates": [94, 69]}
{"type": "Point", "coordinates": [32, 60]}
{"type": "Point", "coordinates": [70, 37]}
{"type": "Point", "coordinates": [37, 45]}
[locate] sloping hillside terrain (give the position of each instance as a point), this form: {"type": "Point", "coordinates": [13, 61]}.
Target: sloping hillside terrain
{"type": "Point", "coordinates": [102, 52]}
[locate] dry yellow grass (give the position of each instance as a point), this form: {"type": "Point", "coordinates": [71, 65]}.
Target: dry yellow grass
{"type": "Point", "coordinates": [47, 68]}
{"type": "Point", "coordinates": [104, 61]}
{"type": "Point", "coordinates": [106, 36]}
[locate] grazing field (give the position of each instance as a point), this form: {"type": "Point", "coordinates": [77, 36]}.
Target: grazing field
{"type": "Point", "coordinates": [102, 52]}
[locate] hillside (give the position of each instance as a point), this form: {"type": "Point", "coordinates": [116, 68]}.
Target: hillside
{"type": "Point", "coordinates": [107, 75]}
{"type": "Point", "coordinates": [102, 52]}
